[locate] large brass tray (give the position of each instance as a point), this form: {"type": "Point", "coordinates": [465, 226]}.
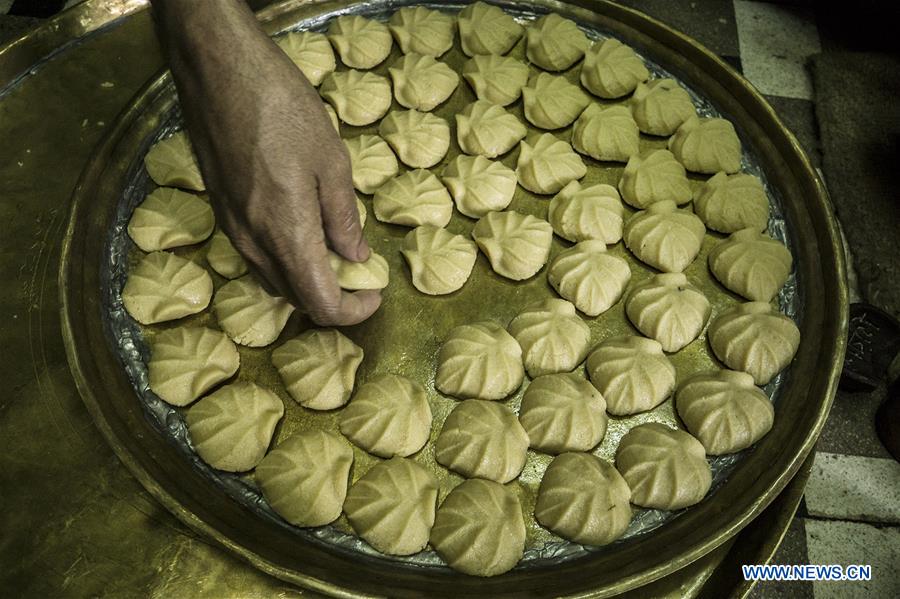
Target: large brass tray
{"type": "Point", "coordinates": [801, 408]}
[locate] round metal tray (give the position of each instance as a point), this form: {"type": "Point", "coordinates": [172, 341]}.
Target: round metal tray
{"type": "Point", "coordinates": [750, 487]}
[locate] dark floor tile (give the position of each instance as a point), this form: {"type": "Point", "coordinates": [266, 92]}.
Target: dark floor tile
{"type": "Point", "coordinates": [791, 551]}
{"type": "Point", "coordinates": [800, 117]}
{"type": "Point", "coordinates": [711, 22]}
{"type": "Point", "coordinates": [735, 62]}
{"type": "Point", "coordinates": [12, 27]}
{"type": "Point", "coordinates": [36, 8]}
{"type": "Point", "coordinates": [850, 428]}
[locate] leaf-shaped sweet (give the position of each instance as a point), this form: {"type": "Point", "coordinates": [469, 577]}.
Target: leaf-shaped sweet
{"type": "Point", "coordinates": [724, 410]}
{"type": "Point", "coordinates": [579, 213]}
{"type": "Point", "coordinates": [632, 373]}
{"type": "Point", "coordinates": [360, 42]}
{"type": "Point", "coordinates": [420, 139]}
{"type": "Point", "coordinates": [654, 178]}
{"type": "Point", "coordinates": [479, 529]}
{"type": "Point", "coordinates": [223, 258]}
{"type": "Point", "coordinates": [589, 277]}
{"type": "Point", "coordinates": [479, 360]}
{"type": "Point", "coordinates": [388, 416]}
{"type": "Point", "coordinates": [361, 209]}
{"type": "Point", "coordinates": [169, 218]}
{"type": "Point", "coordinates": [171, 162]}
{"type": "Point", "coordinates": [755, 339]}
{"type": "Point", "coordinates": [487, 29]}
{"type": "Point", "coordinates": [664, 237]}
{"type": "Point", "coordinates": [422, 30]}
{"type": "Point", "coordinates": [372, 161]}
{"type": "Point", "coordinates": [551, 102]}
{"type": "Point", "coordinates": [606, 133]}
{"type": "Point", "coordinates": [751, 264]}
{"type": "Point", "coordinates": [729, 203]}
{"type": "Point", "coordinates": [612, 70]}
{"type": "Point", "coordinates": [421, 82]}
{"type": "Point", "coordinates": [488, 129]}
{"type": "Point", "coordinates": [552, 337]}
{"type": "Point", "coordinates": [479, 185]}
{"type": "Point", "coordinates": [439, 261]}
{"type": "Point", "coordinates": [186, 362]}
{"type": "Point", "coordinates": [555, 43]}
{"type": "Point", "coordinates": [707, 145]}
{"type": "Point", "coordinates": [248, 314]}
{"type": "Point", "coordinates": [547, 164]}
{"type": "Point", "coordinates": [482, 439]}
{"type": "Point", "coordinates": [359, 97]}
{"type": "Point", "coordinates": [374, 273]}
{"type": "Point", "coordinates": [392, 506]}
{"type": "Point", "coordinates": [660, 106]}
{"type": "Point", "coordinates": [311, 52]}
{"type": "Point", "coordinates": [304, 479]}
{"type": "Point", "coordinates": [497, 79]}
{"type": "Point", "coordinates": [318, 368]}
{"type": "Point", "coordinates": [563, 412]}
{"type": "Point", "coordinates": [665, 468]}
{"type": "Point", "coordinates": [163, 286]}
{"type": "Point", "coordinates": [667, 308]}
{"type": "Point", "coordinates": [231, 428]}
{"type": "Point", "coordinates": [584, 499]}
{"type": "Point", "coordinates": [517, 245]}
{"type": "Point", "coordinates": [414, 198]}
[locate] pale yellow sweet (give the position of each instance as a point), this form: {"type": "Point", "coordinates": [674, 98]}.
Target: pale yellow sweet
{"type": "Point", "coordinates": [479, 185]}
{"type": "Point", "coordinates": [579, 213]}
{"type": "Point", "coordinates": [361, 210]}
{"type": "Point", "coordinates": [546, 164]}
{"type": "Point", "coordinates": [517, 245]}
{"type": "Point", "coordinates": [420, 139]}
{"type": "Point", "coordinates": [482, 439]}
{"type": "Point", "coordinates": [751, 264]}
{"type": "Point", "coordinates": [632, 373]}
{"type": "Point", "coordinates": [666, 307]}
{"type": "Point", "coordinates": [612, 70]}
{"type": "Point", "coordinates": [223, 258]}
{"type": "Point", "coordinates": [318, 368]}
{"type": "Point", "coordinates": [729, 203]}
{"type": "Point", "coordinates": [724, 410]}
{"type": "Point", "coordinates": [707, 145]}
{"type": "Point", "coordinates": [584, 499]}
{"type": "Point", "coordinates": [421, 82]}
{"type": "Point", "coordinates": [589, 277]}
{"type": "Point", "coordinates": [488, 129]}
{"type": "Point", "coordinates": [359, 97]}
{"type": "Point", "coordinates": [392, 506]}
{"type": "Point", "coordinates": [606, 133]}
{"type": "Point", "coordinates": [248, 314]}
{"type": "Point", "coordinates": [171, 162]}
{"type": "Point", "coordinates": [497, 79]}
{"type": "Point", "coordinates": [552, 337]}
{"type": "Point", "coordinates": [563, 412]}
{"type": "Point", "coordinates": [414, 198]}
{"type": "Point", "coordinates": [311, 52]}
{"type": "Point", "coordinates": [373, 273]}
{"type": "Point", "coordinates": [440, 262]}
{"type": "Point", "coordinates": [555, 43]}
{"type": "Point", "coordinates": [479, 529]}
{"type": "Point", "coordinates": [169, 218]}
{"type": "Point", "coordinates": [185, 362]}
{"type": "Point", "coordinates": [304, 479]}
{"type": "Point", "coordinates": [755, 339]}
{"type": "Point", "coordinates": [163, 286]}
{"type": "Point", "coordinates": [551, 102]}
{"type": "Point", "coordinates": [660, 106]}
{"type": "Point", "coordinates": [487, 29]}
{"type": "Point", "coordinates": [231, 428]}
{"type": "Point", "coordinates": [664, 237]}
{"type": "Point", "coordinates": [479, 360]}
{"type": "Point", "coordinates": [360, 42]}
{"type": "Point", "coordinates": [372, 161]}
{"type": "Point", "coordinates": [422, 30]}
{"type": "Point", "coordinates": [652, 178]}
{"type": "Point", "coordinates": [665, 468]}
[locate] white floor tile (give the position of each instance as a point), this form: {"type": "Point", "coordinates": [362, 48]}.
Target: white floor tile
{"type": "Point", "coordinates": [844, 543]}
{"type": "Point", "coordinates": [776, 42]}
{"type": "Point", "coordinates": [854, 488]}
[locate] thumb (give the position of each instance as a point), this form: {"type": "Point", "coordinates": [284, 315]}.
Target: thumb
{"type": "Point", "coordinates": [340, 215]}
